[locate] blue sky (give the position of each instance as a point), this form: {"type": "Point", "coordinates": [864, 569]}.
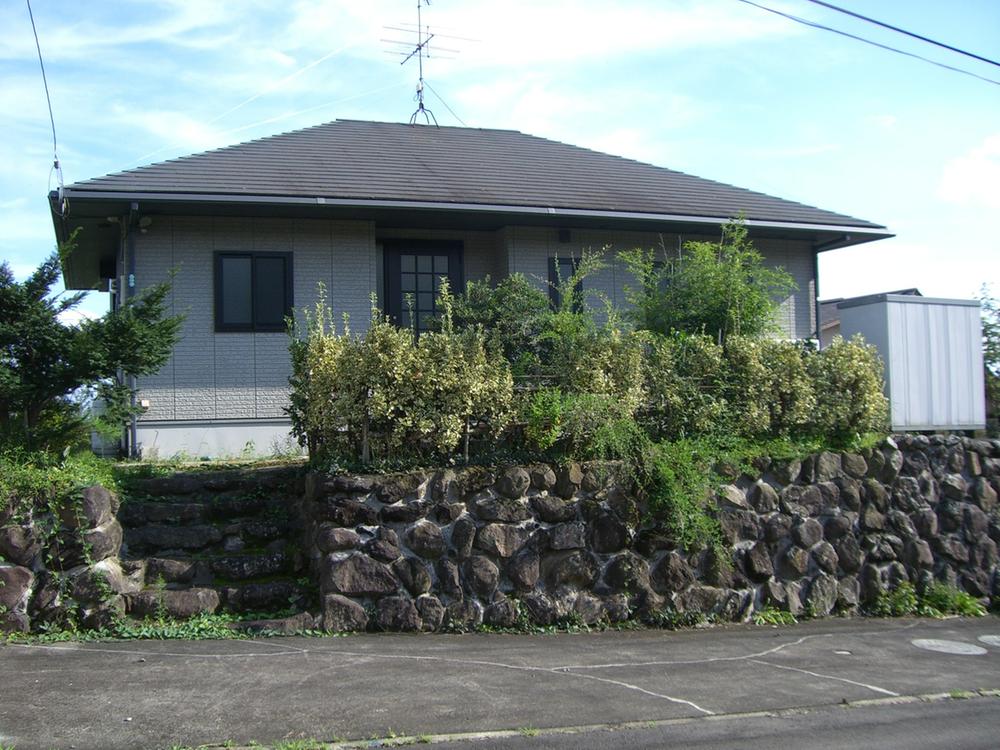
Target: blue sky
{"type": "Point", "coordinates": [715, 88]}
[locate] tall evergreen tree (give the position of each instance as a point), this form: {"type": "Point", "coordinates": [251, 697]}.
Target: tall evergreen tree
{"type": "Point", "coordinates": [46, 365]}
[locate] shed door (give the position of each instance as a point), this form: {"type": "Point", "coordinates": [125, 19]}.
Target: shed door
{"type": "Point", "coordinates": [413, 273]}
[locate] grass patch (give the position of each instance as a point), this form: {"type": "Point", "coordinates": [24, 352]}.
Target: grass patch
{"type": "Point", "coordinates": [937, 600]}
{"type": "Point", "coordinates": [772, 616]}
{"type": "Point", "coordinates": [198, 628]}
{"type": "Point", "coordinates": [31, 480]}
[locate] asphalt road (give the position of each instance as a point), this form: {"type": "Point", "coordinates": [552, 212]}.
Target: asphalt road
{"type": "Point", "coordinates": [695, 686]}
{"type": "Point", "coordinates": [958, 724]}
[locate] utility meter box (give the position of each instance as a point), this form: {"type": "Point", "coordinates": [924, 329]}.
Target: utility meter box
{"type": "Point", "coordinates": [933, 355]}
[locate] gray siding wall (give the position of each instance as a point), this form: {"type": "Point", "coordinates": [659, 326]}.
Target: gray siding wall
{"type": "Point", "coordinates": [225, 376]}
{"type": "Point", "coordinates": [218, 376]}
{"type": "Point", "coordinates": [528, 249]}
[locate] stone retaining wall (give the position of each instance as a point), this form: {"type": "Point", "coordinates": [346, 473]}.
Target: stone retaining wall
{"type": "Point", "coordinates": [456, 548]}
{"type": "Point", "coordinates": [453, 549]}
{"type": "Point", "coordinates": [62, 563]}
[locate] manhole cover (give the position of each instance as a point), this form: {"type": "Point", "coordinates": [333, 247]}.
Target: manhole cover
{"type": "Point", "coordinates": [990, 640]}
{"type": "Point", "coordinates": [949, 647]}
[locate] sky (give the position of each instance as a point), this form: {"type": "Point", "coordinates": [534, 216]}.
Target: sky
{"type": "Point", "coordinates": [715, 88]}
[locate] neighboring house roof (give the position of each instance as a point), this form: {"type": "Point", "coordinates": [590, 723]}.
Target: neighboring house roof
{"type": "Point", "coordinates": [421, 176]}
{"type": "Point", "coordinates": [829, 309]}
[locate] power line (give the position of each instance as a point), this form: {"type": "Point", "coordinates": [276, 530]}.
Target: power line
{"type": "Point", "coordinates": [815, 25]}
{"type": "Point", "coordinates": [45, 82]}
{"type": "Point", "coordinates": [52, 120]}
{"type": "Point", "coordinates": [438, 96]}
{"type": "Point", "coordinates": [904, 31]}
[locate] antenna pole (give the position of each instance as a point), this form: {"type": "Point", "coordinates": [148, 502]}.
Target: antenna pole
{"type": "Point", "coordinates": [422, 42]}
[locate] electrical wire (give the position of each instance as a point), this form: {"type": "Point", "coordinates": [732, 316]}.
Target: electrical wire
{"type": "Point", "coordinates": [820, 26]}
{"type": "Point", "coordinates": [438, 96]}
{"type": "Point", "coordinates": [904, 31]}
{"type": "Point", "coordinates": [45, 83]}
{"type": "Point", "coordinates": [56, 168]}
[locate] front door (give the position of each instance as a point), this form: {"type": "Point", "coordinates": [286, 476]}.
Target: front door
{"type": "Point", "coordinates": [413, 273]}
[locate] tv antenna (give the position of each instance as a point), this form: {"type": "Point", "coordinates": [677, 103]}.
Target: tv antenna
{"type": "Point", "coordinates": [421, 50]}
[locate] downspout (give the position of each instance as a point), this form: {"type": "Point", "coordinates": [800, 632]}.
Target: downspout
{"type": "Point", "coordinates": [133, 222]}
{"type": "Point", "coordinates": [816, 305]}
{"type": "Point", "coordinates": [817, 249]}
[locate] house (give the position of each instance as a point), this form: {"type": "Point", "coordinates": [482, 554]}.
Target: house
{"type": "Point", "coordinates": [829, 314]}
{"type": "Point", "coordinates": [247, 231]}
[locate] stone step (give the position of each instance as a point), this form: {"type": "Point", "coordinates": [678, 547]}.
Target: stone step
{"type": "Point", "coordinates": [175, 512]}
{"type": "Point", "coordinates": [182, 601]}
{"type": "Point", "coordinates": [277, 559]}
{"type": "Point", "coordinates": [189, 539]}
{"type": "Point", "coordinates": [283, 479]}
{"type": "Point", "coordinates": [283, 625]}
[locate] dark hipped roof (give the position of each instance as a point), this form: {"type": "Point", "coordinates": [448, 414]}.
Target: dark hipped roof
{"type": "Point", "coordinates": [374, 161]}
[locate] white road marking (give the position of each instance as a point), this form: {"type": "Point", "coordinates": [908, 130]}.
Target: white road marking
{"type": "Point", "coordinates": [957, 648]}
{"type": "Point", "coordinates": [709, 660]}
{"type": "Point", "coordinates": [828, 677]}
{"type": "Point", "coordinates": [695, 706]}
{"type": "Point", "coordinates": [990, 640]}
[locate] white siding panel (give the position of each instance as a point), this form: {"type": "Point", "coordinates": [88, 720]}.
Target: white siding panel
{"type": "Point", "coordinates": [933, 356]}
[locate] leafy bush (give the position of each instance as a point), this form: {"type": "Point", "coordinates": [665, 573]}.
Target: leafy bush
{"type": "Point", "coordinates": [717, 289]}
{"type": "Point", "coordinates": [790, 395]}
{"type": "Point", "coordinates": [387, 394]}
{"type": "Point", "coordinates": [511, 314]}
{"type": "Point", "coordinates": [847, 382]}
{"type": "Point", "coordinates": [683, 384]}
{"type": "Point", "coordinates": [544, 417]}
{"type": "Point", "coordinates": [584, 426]}
{"type": "Point", "coordinates": [749, 387]}
{"type": "Point", "coordinates": [746, 387]}
{"type": "Point", "coordinates": [771, 616]}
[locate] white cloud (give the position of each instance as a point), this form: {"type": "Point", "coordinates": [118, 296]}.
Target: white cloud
{"type": "Point", "coordinates": [883, 122]}
{"type": "Point", "coordinates": [76, 316]}
{"type": "Point", "coordinates": [527, 33]}
{"type": "Point", "coordinates": [176, 128]}
{"type": "Point", "coordinates": [895, 263]}
{"type": "Point", "coordinates": [973, 179]}
{"type": "Point", "coordinates": [793, 151]}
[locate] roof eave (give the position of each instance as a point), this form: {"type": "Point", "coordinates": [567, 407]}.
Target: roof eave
{"type": "Point", "coordinates": [852, 234]}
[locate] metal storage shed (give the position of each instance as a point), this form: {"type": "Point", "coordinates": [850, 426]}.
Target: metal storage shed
{"type": "Point", "coordinates": [933, 355]}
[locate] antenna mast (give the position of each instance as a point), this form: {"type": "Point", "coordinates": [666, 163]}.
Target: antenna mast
{"type": "Point", "coordinates": [420, 50]}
